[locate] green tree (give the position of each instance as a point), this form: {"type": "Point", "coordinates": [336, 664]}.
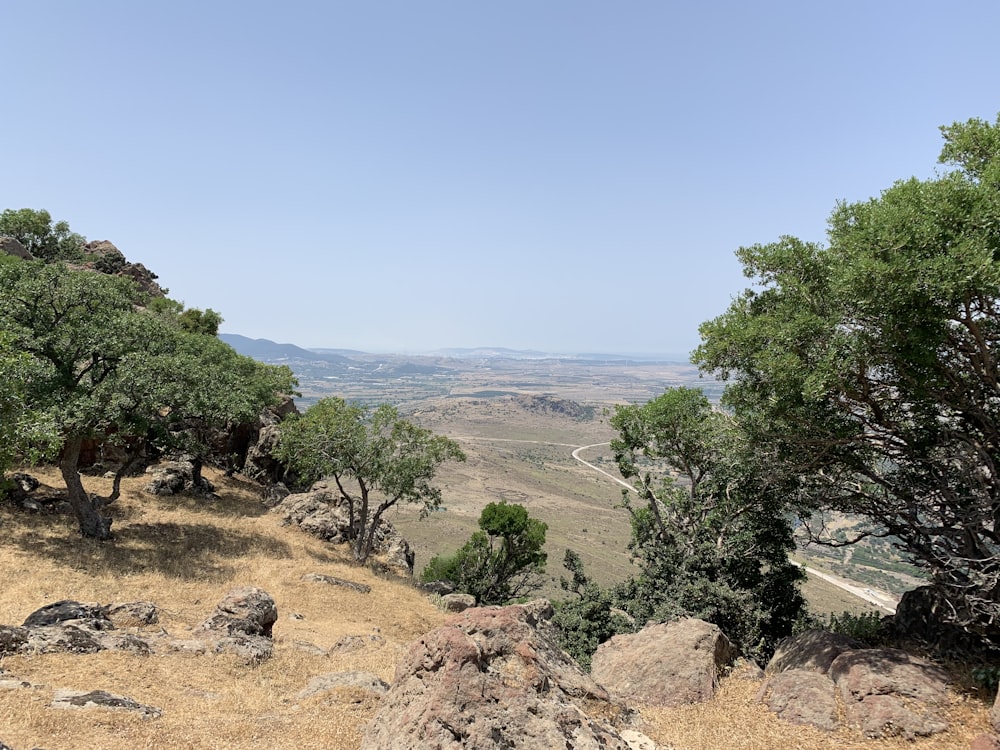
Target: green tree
{"type": "Point", "coordinates": [708, 533]}
{"type": "Point", "coordinates": [589, 618]}
{"type": "Point", "coordinates": [866, 371]}
{"type": "Point", "coordinates": [103, 368]}
{"type": "Point", "coordinates": [40, 236]}
{"type": "Point", "coordinates": [502, 561]}
{"type": "Point", "coordinates": [376, 458]}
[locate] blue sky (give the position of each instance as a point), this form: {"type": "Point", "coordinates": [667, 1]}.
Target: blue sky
{"type": "Point", "coordinates": [403, 176]}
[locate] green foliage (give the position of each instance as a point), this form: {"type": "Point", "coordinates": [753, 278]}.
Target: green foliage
{"type": "Point", "coordinates": [866, 371]}
{"type": "Point", "coordinates": [499, 563]}
{"type": "Point", "coordinates": [709, 533]}
{"type": "Point", "coordinates": [25, 435]}
{"type": "Point", "coordinates": [103, 368]}
{"type": "Point", "coordinates": [590, 618]}
{"type": "Point", "coordinates": [376, 458]}
{"type": "Point", "coordinates": [865, 627]}
{"type": "Point", "coordinates": [43, 239]}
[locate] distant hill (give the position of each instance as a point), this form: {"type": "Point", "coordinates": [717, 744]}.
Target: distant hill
{"type": "Point", "coordinates": [269, 351]}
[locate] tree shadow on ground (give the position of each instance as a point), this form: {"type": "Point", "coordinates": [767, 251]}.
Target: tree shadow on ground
{"type": "Point", "coordinates": [178, 550]}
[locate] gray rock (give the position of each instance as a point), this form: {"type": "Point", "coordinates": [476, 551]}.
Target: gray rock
{"type": "Point", "coordinates": [361, 588]}
{"type": "Point", "coordinates": [12, 639]}
{"type": "Point", "coordinates": [363, 682]}
{"type": "Point", "coordinates": [10, 246]}
{"type": "Point", "coordinates": [102, 699]}
{"type": "Point", "coordinates": [667, 664]}
{"type": "Point", "coordinates": [66, 610]}
{"type": "Point", "coordinates": [246, 610]}
{"type": "Point", "coordinates": [457, 602]}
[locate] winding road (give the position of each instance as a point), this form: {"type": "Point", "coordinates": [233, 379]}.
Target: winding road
{"type": "Point", "coordinates": [880, 599]}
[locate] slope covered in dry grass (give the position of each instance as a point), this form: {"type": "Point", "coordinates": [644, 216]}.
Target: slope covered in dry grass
{"type": "Point", "coordinates": [184, 554]}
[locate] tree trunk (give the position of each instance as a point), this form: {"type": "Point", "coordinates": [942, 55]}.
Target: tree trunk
{"type": "Point", "coordinates": [92, 523]}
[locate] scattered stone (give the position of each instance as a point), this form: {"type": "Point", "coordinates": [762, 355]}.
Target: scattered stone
{"type": "Point", "coordinates": [58, 638]}
{"type": "Point", "coordinates": [310, 648]}
{"type": "Point", "coordinates": [457, 602]}
{"type": "Point", "coordinates": [814, 650]}
{"type": "Point", "coordinates": [494, 677]}
{"type": "Point", "coordinates": [177, 477]}
{"type": "Point", "coordinates": [12, 639]}
{"type": "Point", "coordinates": [133, 614]}
{"type": "Point", "coordinates": [361, 588]}
{"type": "Point", "coordinates": [349, 643]}
{"type": "Point", "coordinates": [102, 699]}
{"type": "Point", "coordinates": [802, 696]}
{"type": "Point", "coordinates": [241, 624]}
{"type": "Point", "coordinates": [67, 610]}
{"type": "Point", "coordinates": [365, 683]}
{"type": "Point", "coordinates": [246, 610]}
{"type": "Point", "coordinates": [667, 664]}
{"type": "Point", "coordinates": [441, 588]}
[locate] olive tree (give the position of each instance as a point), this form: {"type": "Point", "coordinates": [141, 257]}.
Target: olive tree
{"type": "Point", "coordinates": [866, 369]}
{"type": "Point", "coordinates": [376, 458]}
{"type": "Point", "coordinates": [104, 368]}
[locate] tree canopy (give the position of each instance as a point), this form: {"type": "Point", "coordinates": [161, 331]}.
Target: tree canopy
{"type": "Point", "coordinates": [45, 240]}
{"type": "Point", "coordinates": [501, 562]}
{"type": "Point", "coordinates": [104, 368]}
{"type": "Point", "coordinates": [709, 536]}
{"type": "Point", "coordinates": [377, 459]}
{"type": "Point", "coordinates": [866, 370]}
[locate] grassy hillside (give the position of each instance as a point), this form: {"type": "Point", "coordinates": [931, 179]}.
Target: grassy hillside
{"type": "Point", "coordinates": [184, 554]}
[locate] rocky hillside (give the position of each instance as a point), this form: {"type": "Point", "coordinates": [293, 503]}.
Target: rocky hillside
{"type": "Point", "coordinates": [335, 637]}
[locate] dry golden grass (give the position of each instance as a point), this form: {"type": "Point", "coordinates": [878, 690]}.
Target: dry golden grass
{"type": "Point", "coordinates": [184, 554]}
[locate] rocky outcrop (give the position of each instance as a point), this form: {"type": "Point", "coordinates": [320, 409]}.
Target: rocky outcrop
{"type": "Point", "coordinates": [103, 256]}
{"type": "Point", "coordinates": [667, 664]}
{"type": "Point", "coordinates": [322, 513]}
{"type": "Point", "coordinates": [181, 476]}
{"type": "Point", "coordinates": [10, 246]}
{"type": "Point", "coordinates": [241, 624]}
{"type": "Point", "coordinates": [495, 677]}
{"type": "Point", "coordinates": [883, 692]}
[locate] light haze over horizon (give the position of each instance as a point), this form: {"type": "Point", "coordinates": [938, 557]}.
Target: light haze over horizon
{"type": "Point", "coordinates": [402, 176]}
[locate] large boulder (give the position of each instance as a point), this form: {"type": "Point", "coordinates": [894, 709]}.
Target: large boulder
{"type": "Point", "coordinates": [888, 692]}
{"type": "Point", "coordinates": [494, 677]}
{"type": "Point", "coordinates": [667, 664]}
{"type": "Point", "coordinates": [242, 624]}
{"type": "Point", "coordinates": [816, 677]}
{"type": "Point", "coordinates": [814, 651]}
{"type": "Point", "coordinates": [10, 246]}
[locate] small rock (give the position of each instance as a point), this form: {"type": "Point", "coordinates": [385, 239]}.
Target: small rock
{"type": "Point", "coordinates": [457, 602]}
{"type": "Point", "coordinates": [365, 682]}
{"type": "Point", "coordinates": [102, 699]}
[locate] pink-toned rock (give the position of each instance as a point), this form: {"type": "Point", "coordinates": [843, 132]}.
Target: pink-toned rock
{"type": "Point", "coordinates": [985, 742]}
{"type": "Point", "coordinates": [494, 677]}
{"type": "Point", "coordinates": [814, 650]}
{"type": "Point", "coordinates": [801, 696]}
{"type": "Point", "coordinates": [667, 664]}
{"type": "Point", "coordinates": [888, 692]}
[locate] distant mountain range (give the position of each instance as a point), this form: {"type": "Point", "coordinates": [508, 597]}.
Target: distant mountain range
{"type": "Point", "coordinates": [266, 350]}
